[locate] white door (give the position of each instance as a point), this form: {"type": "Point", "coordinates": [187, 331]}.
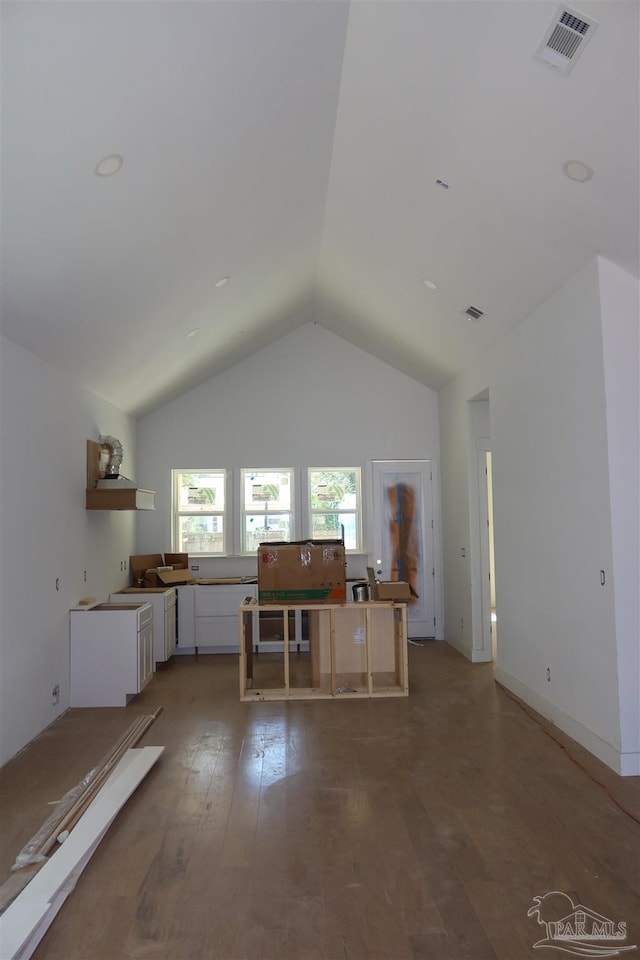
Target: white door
{"type": "Point", "coordinates": [403, 540]}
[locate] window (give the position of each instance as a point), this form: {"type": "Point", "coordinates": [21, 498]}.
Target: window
{"type": "Point", "coordinates": [199, 512]}
{"type": "Point", "coordinates": [334, 504]}
{"type": "Point", "coordinates": [267, 507]}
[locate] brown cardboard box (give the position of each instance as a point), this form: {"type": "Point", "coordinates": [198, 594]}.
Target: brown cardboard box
{"type": "Point", "coordinates": [174, 578]}
{"type": "Point", "coordinates": [144, 569]}
{"type": "Point", "coordinates": [179, 561]}
{"type": "Point", "coordinates": [302, 572]}
{"type": "Point", "coordinates": [387, 589]}
{"type": "Point", "coordinates": [393, 590]}
{"type": "Point", "coordinates": [140, 564]}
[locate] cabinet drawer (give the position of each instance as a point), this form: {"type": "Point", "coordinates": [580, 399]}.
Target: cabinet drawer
{"type": "Point", "coordinates": [220, 601]}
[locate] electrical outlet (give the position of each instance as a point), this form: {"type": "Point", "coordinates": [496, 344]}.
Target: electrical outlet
{"type": "Point", "coordinates": [55, 694]}
{"type": "Point", "coordinates": [461, 623]}
{"type": "Point", "coordinates": [548, 674]}
{"type": "Point", "coordinates": [463, 551]}
{"type": "Point", "coordinates": [195, 567]}
{"type": "Point", "coordinates": [85, 576]}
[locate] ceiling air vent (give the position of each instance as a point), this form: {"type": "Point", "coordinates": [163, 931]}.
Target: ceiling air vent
{"type": "Point", "coordinates": [566, 38]}
{"type": "Point", "coordinates": [472, 313]}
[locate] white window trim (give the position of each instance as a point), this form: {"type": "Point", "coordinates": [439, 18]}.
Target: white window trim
{"type": "Point", "coordinates": [226, 513]}
{"type": "Point", "coordinates": [359, 511]}
{"type": "Point", "coordinates": [239, 513]}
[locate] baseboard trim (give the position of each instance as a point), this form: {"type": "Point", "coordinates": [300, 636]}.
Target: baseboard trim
{"type": "Point", "coordinates": [624, 764]}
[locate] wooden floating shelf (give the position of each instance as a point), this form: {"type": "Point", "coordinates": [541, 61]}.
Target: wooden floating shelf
{"type": "Point", "coordinates": [131, 499]}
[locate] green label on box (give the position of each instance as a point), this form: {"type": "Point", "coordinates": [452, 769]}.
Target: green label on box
{"type": "Point", "coordinates": [317, 594]}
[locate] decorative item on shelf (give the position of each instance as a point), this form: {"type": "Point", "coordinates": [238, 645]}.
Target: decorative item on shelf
{"type": "Point", "coordinates": [106, 489]}
{"type": "Point", "coordinates": [114, 447]}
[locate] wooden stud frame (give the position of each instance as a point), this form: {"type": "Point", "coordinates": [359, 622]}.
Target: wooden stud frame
{"type": "Point", "coordinates": [340, 619]}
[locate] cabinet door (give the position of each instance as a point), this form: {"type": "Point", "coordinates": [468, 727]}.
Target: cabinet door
{"type": "Point", "coordinates": [169, 631]}
{"type": "Point", "coordinates": [145, 655]}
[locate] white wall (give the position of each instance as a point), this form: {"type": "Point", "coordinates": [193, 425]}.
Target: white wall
{"type": "Point", "coordinates": [552, 529]}
{"type": "Point", "coordinates": [310, 399]}
{"type": "Point", "coordinates": [46, 534]}
{"type": "Point", "coordinates": [620, 308]}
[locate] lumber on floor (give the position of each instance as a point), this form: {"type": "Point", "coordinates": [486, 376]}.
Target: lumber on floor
{"type": "Point", "coordinates": [25, 921]}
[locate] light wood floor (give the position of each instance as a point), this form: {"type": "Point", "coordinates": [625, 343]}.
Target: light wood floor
{"type": "Point", "coordinates": [406, 828]}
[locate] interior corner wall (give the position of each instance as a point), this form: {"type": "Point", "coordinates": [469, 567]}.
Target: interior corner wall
{"type": "Point", "coordinates": [552, 526]}
{"type": "Point", "coordinates": [620, 308]}
{"type": "Point", "coordinates": [47, 536]}
{"type": "Point", "coordinates": [308, 399]}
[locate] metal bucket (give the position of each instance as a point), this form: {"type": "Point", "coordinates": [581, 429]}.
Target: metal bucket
{"type": "Point", "coordinates": [360, 592]}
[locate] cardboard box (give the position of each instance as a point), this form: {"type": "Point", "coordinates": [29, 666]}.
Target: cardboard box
{"type": "Point", "coordinates": [179, 561]}
{"type": "Point", "coordinates": [144, 570]}
{"type": "Point", "coordinates": [387, 589]}
{"type": "Point", "coordinates": [307, 571]}
{"type": "Point", "coordinates": [393, 590]}
{"type": "Point", "coordinates": [175, 578]}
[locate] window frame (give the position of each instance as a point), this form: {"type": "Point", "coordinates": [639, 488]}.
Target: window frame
{"type": "Point", "coordinates": [226, 513]}
{"type": "Point", "coordinates": [242, 512]}
{"type": "Point", "coordinates": [357, 511]}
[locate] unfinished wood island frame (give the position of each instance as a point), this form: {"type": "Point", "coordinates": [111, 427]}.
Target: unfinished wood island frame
{"type": "Point", "coordinates": [355, 650]}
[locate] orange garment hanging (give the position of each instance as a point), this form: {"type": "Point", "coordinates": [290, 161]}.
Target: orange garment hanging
{"type": "Point", "coordinates": [402, 531]}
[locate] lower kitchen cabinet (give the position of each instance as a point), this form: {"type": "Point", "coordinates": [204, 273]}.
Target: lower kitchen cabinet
{"type": "Point", "coordinates": [208, 616]}
{"type": "Point", "coordinates": [111, 653]}
{"type": "Point", "coordinates": [163, 602]}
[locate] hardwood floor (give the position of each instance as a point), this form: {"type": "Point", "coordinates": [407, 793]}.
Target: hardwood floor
{"type": "Point", "coordinates": [410, 828]}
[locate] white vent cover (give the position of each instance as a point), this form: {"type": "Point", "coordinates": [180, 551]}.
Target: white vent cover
{"type": "Point", "coordinates": [473, 314]}
{"type": "Point", "coordinates": [566, 38]}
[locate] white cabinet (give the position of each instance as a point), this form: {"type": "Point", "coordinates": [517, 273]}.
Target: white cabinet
{"type": "Point", "coordinates": [163, 602]}
{"type": "Point", "coordinates": [111, 653]}
{"type": "Point", "coordinates": [208, 616]}
{"type": "Point", "coordinates": [186, 618]}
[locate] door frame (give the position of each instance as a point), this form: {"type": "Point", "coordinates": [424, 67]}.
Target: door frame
{"type": "Point", "coordinates": [482, 633]}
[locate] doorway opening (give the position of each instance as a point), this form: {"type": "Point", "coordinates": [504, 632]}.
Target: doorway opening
{"type": "Point", "coordinates": [492, 558]}
{"type": "Point", "coordinates": [488, 617]}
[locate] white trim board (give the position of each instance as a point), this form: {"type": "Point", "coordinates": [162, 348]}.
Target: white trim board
{"type": "Point", "coordinates": [25, 921]}
{"type": "Point", "coordinates": [626, 765]}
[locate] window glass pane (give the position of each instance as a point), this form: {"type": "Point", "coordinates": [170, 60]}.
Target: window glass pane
{"type": "Point", "coordinates": [328, 526]}
{"type": "Point", "coordinates": [201, 492]}
{"type": "Point", "coordinates": [333, 488]}
{"type": "Point", "coordinates": [259, 528]}
{"type": "Point", "coordinates": [334, 498]}
{"type": "Point", "coordinates": [267, 490]}
{"type": "Point", "coordinates": [200, 534]}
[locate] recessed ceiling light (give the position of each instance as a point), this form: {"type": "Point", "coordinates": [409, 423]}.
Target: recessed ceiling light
{"type": "Point", "coordinates": [430, 284]}
{"type": "Point", "coordinates": [221, 282]}
{"type": "Point", "coordinates": [577, 170]}
{"type": "Point", "coordinates": [108, 165]}
{"type": "Point", "coordinates": [193, 333]}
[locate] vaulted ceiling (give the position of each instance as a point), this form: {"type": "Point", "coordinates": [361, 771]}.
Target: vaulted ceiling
{"type": "Point", "coordinates": [328, 157]}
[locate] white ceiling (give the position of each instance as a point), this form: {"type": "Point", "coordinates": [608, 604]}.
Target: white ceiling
{"type": "Point", "coordinates": [295, 146]}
